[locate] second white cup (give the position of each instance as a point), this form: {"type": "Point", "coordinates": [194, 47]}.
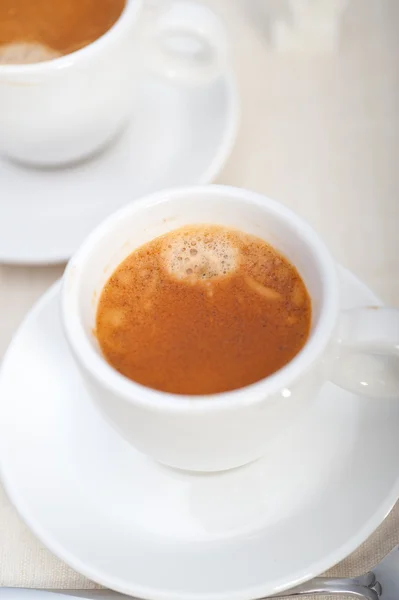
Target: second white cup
{"type": "Point", "coordinates": [66, 109]}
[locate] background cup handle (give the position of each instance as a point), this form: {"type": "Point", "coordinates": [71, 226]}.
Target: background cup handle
{"type": "Point", "coordinates": [185, 42]}
{"type": "Point", "coordinates": [366, 352]}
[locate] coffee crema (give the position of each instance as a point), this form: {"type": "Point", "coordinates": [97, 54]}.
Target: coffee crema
{"type": "Point", "coordinates": [38, 30]}
{"type": "Point", "coordinates": [202, 310]}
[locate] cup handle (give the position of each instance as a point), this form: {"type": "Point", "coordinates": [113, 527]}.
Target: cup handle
{"type": "Point", "coordinates": [366, 352]}
{"type": "Point", "coordinates": [186, 43]}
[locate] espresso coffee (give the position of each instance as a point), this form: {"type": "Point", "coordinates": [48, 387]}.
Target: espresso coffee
{"type": "Point", "coordinates": [37, 30]}
{"type": "Point", "coordinates": [202, 310]}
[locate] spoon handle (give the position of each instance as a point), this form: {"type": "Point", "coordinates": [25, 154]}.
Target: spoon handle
{"type": "Point", "coordinates": [360, 588]}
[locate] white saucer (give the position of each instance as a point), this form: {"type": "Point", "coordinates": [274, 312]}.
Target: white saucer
{"type": "Point", "coordinates": [180, 136]}
{"type": "Point", "coordinates": [140, 528]}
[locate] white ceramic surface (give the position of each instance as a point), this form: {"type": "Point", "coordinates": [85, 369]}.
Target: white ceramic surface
{"type": "Point", "coordinates": [183, 136]}
{"type": "Point", "coordinates": [143, 529]}
{"type": "Point", "coordinates": [63, 110]}
{"type": "Point", "coordinates": [226, 430]}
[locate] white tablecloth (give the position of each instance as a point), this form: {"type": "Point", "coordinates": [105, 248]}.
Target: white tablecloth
{"type": "Point", "coordinates": [319, 132]}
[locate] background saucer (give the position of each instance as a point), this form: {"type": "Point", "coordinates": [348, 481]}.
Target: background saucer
{"type": "Point", "coordinates": [132, 525]}
{"type": "Point", "coordinates": [179, 136]}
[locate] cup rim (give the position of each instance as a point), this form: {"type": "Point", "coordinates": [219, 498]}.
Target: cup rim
{"type": "Point", "coordinates": [129, 13]}
{"type": "Point", "coordinates": [135, 393]}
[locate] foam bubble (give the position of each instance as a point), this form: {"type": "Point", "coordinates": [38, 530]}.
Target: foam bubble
{"type": "Point", "coordinates": [298, 295]}
{"type": "Point", "coordinates": [25, 53]}
{"type": "Point", "coordinates": [113, 318]}
{"type": "Point", "coordinates": [200, 254]}
{"type": "Point", "coordinates": [267, 292]}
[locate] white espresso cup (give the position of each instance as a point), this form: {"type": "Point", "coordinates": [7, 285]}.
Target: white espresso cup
{"type": "Point", "coordinates": [65, 109]}
{"type": "Point", "coordinates": [221, 431]}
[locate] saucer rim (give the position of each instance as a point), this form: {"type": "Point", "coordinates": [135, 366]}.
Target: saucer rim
{"type": "Point", "coordinates": [215, 166]}
{"type": "Point", "coordinates": [153, 594]}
